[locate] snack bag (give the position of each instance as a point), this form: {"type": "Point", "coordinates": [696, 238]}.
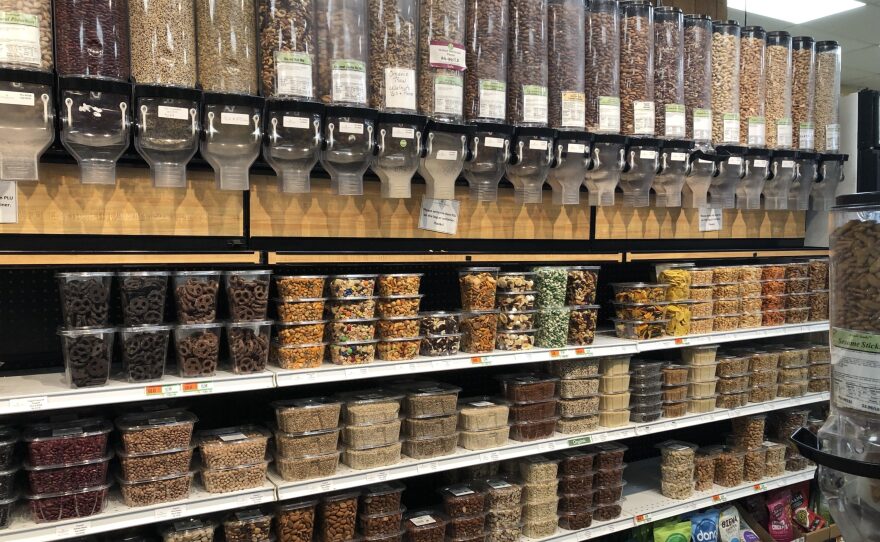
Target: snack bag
{"type": "Point", "coordinates": [704, 526]}
{"type": "Point", "coordinates": [779, 523]}
{"type": "Point", "coordinates": [728, 525]}
{"type": "Point", "coordinates": [673, 532]}
{"type": "Point", "coordinates": [748, 535]}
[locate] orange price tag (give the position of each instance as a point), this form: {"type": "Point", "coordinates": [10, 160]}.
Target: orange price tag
{"type": "Point", "coordinates": [679, 341]}
{"type": "Point", "coordinates": [154, 390]}
{"type": "Point", "coordinates": [718, 498]}
{"type": "Point", "coordinates": [581, 351]}
{"type": "Point", "coordinates": [554, 353]}
{"type": "Point", "coordinates": [190, 386]}
{"type": "Point", "coordinates": [476, 360]}
{"type": "Point", "coordinates": [642, 518]}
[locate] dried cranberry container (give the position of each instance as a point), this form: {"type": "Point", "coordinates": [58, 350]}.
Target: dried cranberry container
{"type": "Point", "coordinates": [68, 476]}
{"type": "Point", "coordinates": [66, 442]}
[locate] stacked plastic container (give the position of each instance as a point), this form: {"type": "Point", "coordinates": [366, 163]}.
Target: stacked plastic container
{"type": "Point", "coordinates": [300, 312]}
{"type": "Point", "coordinates": [540, 499]}
{"type": "Point", "coordinates": [576, 489]}
{"type": "Point", "coordinates": [614, 391]}
{"type": "Point", "coordinates": [782, 425]}
{"type": "Point", "coordinates": [9, 437]}
{"type": "Point", "coordinates": [144, 339]}
{"type": "Point", "coordinates": [553, 315]}
{"type": "Point", "coordinates": [793, 371]}
{"type": "Point", "coordinates": [465, 505]}
{"type": "Point", "coordinates": [351, 309]}
{"type": "Point", "coordinates": [371, 434]}
{"type": "Point", "coordinates": [819, 369]}
{"type": "Point", "coordinates": [398, 307]}
{"type": "Point", "coordinates": [198, 331]}
{"type": "Point", "coordinates": [515, 299]}
{"type": "Point", "coordinates": [503, 509]}
{"type": "Point", "coordinates": [431, 410]}
{"type": "Point", "coordinates": [797, 290]}
{"type": "Point", "coordinates": [734, 378]}
{"type": "Point", "coordinates": [86, 336]}
{"type": "Point", "coordinates": [646, 395]}
{"type": "Point", "coordinates": [235, 458]}
{"type": "Point", "coordinates": [763, 372]}
{"type": "Point", "coordinates": [66, 465]}
{"type": "Point", "coordinates": [154, 455]}
{"type": "Point", "coordinates": [677, 469]}
{"type": "Point", "coordinates": [700, 291]}
{"type": "Point", "coordinates": [306, 438]}
{"type": "Point", "coordinates": [483, 422]}
{"type": "Point", "coordinates": [680, 310]}
{"type": "Point", "coordinates": [247, 332]}
{"type": "Point", "coordinates": [819, 300]}
{"type": "Point", "coordinates": [608, 481]}
{"type": "Point", "coordinates": [748, 436]}
{"type": "Point", "coordinates": [640, 310]}
{"type": "Point", "coordinates": [578, 394]}
{"type": "Point", "coordinates": [580, 298]}
{"type": "Point", "coordinates": [380, 513]}
{"type": "Point", "coordinates": [440, 333]}
{"type": "Point", "coordinates": [533, 408]}
{"type": "Point", "coordinates": [479, 318]}
{"type": "Point", "coordinates": [673, 378]}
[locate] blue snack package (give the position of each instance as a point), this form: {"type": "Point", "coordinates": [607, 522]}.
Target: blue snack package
{"type": "Point", "coordinates": [704, 526]}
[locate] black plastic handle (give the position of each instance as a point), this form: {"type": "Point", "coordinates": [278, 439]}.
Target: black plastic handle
{"type": "Point", "coordinates": [808, 445]}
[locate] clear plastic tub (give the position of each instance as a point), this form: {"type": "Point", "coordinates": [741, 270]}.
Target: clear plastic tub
{"type": "Point", "coordinates": [533, 430]}
{"type": "Point", "coordinates": [640, 329]}
{"type": "Point", "coordinates": [248, 345]}
{"type": "Point", "coordinates": [425, 526]}
{"type": "Point", "coordinates": [307, 467]}
{"type": "Point", "coordinates": [66, 442]}
{"type": "Point", "coordinates": [294, 445]}
{"type": "Point", "coordinates": [195, 294]}
{"type": "Point", "coordinates": [80, 503]}
{"type": "Point", "coordinates": [353, 352]}
{"type": "Point", "coordinates": [57, 478]}
{"type": "Point", "coordinates": [479, 413]}
{"type": "Point", "coordinates": [232, 446]}
{"type": "Point", "coordinates": [245, 525]}
{"type": "Point", "coordinates": [372, 457]}
{"type": "Point", "coordinates": [308, 414]}
{"type": "Point", "coordinates": [144, 350]}
{"type": "Point", "coordinates": [156, 490]}
{"type": "Point", "coordinates": [725, 82]}
{"type": "Point", "coordinates": [189, 530]}
{"type": "Point", "coordinates": [138, 466]}
{"type": "Point", "coordinates": [302, 356]}
{"type": "Point", "coordinates": [235, 478]}
{"type": "Point", "coordinates": [88, 354]}
{"type": "Point", "coordinates": [423, 448]}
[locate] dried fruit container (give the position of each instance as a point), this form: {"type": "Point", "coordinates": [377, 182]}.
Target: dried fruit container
{"type": "Point", "coordinates": [528, 387]}
{"type": "Point", "coordinates": [74, 504]}
{"type": "Point", "coordinates": [58, 478]}
{"type": "Point", "coordinates": [533, 430]}
{"type": "Point", "coordinates": [66, 442]}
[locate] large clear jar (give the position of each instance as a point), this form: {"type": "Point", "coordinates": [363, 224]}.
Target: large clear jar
{"type": "Point", "coordinates": [163, 42]}
{"type": "Point", "coordinates": [803, 92]}
{"type": "Point", "coordinates": [227, 46]}
{"type": "Point", "coordinates": [566, 63]}
{"type": "Point", "coordinates": [637, 109]}
{"type": "Point", "coordinates": [602, 67]}
{"type": "Point", "coordinates": [669, 72]}
{"type": "Point", "coordinates": [827, 96]}
{"type": "Point", "coordinates": [343, 51]}
{"type": "Point", "coordinates": [394, 29]}
{"type": "Point", "coordinates": [527, 68]}
{"type": "Point", "coordinates": [698, 78]}
{"type": "Point", "coordinates": [725, 82]}
{"type": "Point", "coordinates": [777, 106]}
{"type": "Point", "coordinates": [288, 61]}
{"type": "Point", "coordinates": [851, 430]}
{"type": "Point", "coordinates": [442, 59]}
{"type": "Point", "coordinates": [26, 34]}
{"type": "Point", "coordinates": [485, 86]}
{"type": "Point", "coordinates": [752, 79]}
{"type": "Point", "coordinates": [91, 39]}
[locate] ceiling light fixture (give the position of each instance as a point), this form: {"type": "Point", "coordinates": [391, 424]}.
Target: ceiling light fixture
{"type": "Point", "coordinates": [795, 11]}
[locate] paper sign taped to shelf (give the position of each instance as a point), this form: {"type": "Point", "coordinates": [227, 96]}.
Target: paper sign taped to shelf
{"type": "Point", "coordinates": [8, 202]}
{"type": "Point", "coordinates": [74, 529]}
{"type": "Point", "coordinates": [9, 97]}
{"type": "Point", "coordinates": [710, 219]}
{"type": "Point", "coordinates": [239, 119]}
{"type": "Point", "coordinates": [173, 512]}
{"type": "Point", "coordinates": [29, 404]}
{"type": "Point", "coordinates": [439, 215]}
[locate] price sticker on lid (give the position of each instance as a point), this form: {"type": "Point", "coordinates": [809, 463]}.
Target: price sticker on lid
{"type": "Point", "coordinates": [422, 520]}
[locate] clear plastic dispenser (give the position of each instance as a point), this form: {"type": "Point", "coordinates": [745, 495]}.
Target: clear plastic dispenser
{"type": "Point", "coordinates": [348, 147]}
{"type": "Point", "coordinates": [783, 169]}
{"type": "Point", "coordinates": [570, 164]}
{"type": "Point", "coordinates": [444, 151]}
{"type": "Point", "coordinates": [674, 164]}
{"type": "Point", "coordinates": [830, 176]}
{"type": "Point", "coordinates": [642, 162]}
{"type": "Point", "coordinates": [731, 168]}
{"type": "Point", "coordinates": [757, 171]}
{"type": "Point", "coordinates": [232, 136]}
{"type": "Point", "coordinates": [95, 125]}
{"type": "Point", "coordinates": [807, 168]}
{"type": "Point", "coordinates": [703, 168]}
{"type": "Point", "coordinates": [490, 153]}
{"type": "Point", "coordinates": [27, 122]}
{"type": "Point", "coordinates": [531, 156]}
{"type": "Point", "coordinates": [166, 131]}
{"type": "Point", "coordinates": [292, 142]}
{"type": "Point", "coordinates": [398, 149]}
{"type": "Point", "coordinates": [607, 162]}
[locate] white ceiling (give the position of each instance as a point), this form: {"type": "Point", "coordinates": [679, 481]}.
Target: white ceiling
{"type": "Point", "coordinates": [857, 31]}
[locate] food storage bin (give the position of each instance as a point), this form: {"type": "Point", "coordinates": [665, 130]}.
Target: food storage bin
{"type": "Point", "coordinates": [372, 456]}
{"type": "Point", "coordinates": [354, 352]}
{"type": "Point", "coordinates": [726, 82]}
{"type": "Point", "coordinates": [297, 333]}
{"type": "Point", "coordinates": [137, 466]}
{"type": "Point", "coordinates": [399, 349]}
{"type": "Point", "coordinates": [699, 355]}
{"type": "Point", "coordinates": [604, 495]}
{"type": "Point", "coordinates": [434, 426]}
{"type": "Point", "coordinates": [56, 478]}
{"type": "Point", "coordinates": [614, 418]}
{"type": "Point", "coordinates": [753, 85]}
{"type": "Point", "coordinates": [699, 373]}
{"type": "Point", "coordinates": [364, 408]}
{"type": "Point", "coordinates": [526, 387]}
{"type": "Point", "coordinates": [92, 40]}
{"type": "Point", "coordinates": [519, 320]}
{"type": "Point", "coordinates": [641, 311]}
{"type": "Point", "coordinates": [640, 329]}
{"type": "Point", "coordinates": [400, 305]}
{"type": "Point", "coordinates": [248, 345]}
{"type": "Point", "coordinates": [57, 443]}
{"type": "Point", "coordinates": [532, 411]}
{"type": "Point", "coordinates": [308, 414]}
{"type": "Point", "coordinates": [88, 354]}
{"type": "Point", "coordinates": [478, 288]}
{"type": "Point", "coordinates": [479, 413]}
{"type": "Point", "coordinates": [235, 478]}
{"type": "Point", "coordinates": [293, 445]}
{"type": "Point", "coordinates": [728, 465]}
{"type": "Point", "coordinates": [85, 298]}
{"type": "Point", "coordinates": [155, 490]}
{"type": "Point", "coordinates": [396, 327]}
{"type": "Point", "coordinates": [189, 529]}
{"type": "Point", "coordinates": [350, 308]}
{"type": "Point", "coordinates": [383, 524]}
{"type": "Point", "coordinates": [246, 524]}
{"type": "Point", "coordinates": [515, 339]}
{"type": "Point", "coordinates": [678, 393]}
{"type": "Point", "coordinates": [302, 356]}
{"type": "Point", "coordinates": [533, 430]}
{"type": "Point", "coordinates": [79, 503]}
{"type": "Point", "coordinates": [423, 448]}
{"type": "Point", "coordinates": [426, 399]}
{"type": "Point", "coordinates": [381, 498]}
{"type": "Point", "coordinates": [702, 404]}
{"type": "Point", "coordinates": [359, 437]}
{"type": "Point", "coordinates": [614, 365]}
{"type": "Point", "coordinates": [705, 388]}
{"type": "Point", "coordinates": [669, 72]}
{"type": "Point", "coordinates": [425, 526]}
{"type": "Point", "coordinates": [674, 409]}
{"type": "Point", "coordinates": [440, 345]}
{"type": "Point", "coordinates": [479, 331]}
{"type": "Point", "coordinates": [484, 438]}
{"type": "Point", "coordinates": [778, 90]}
{"type": "Point", "coordinates": [232, 446]}
{"type": "Point", "coordinates": [144, 350]}
{"type": "Point", "coordinates": [639, 292]}
{"type": "Point", "coordinates": [578, 484]}
{"type": "Point", "coordinates": [576, 388]}
{"type": "Point", "coordinates": [463, 500]}
{"type": "Point", "coordinates": [614, 401]}
{"type": "Point", "coordinates": [698, 81]}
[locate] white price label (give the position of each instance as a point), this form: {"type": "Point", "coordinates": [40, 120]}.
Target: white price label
{"type": "Point", "coordinates": [675, 120]}
{"type": "Point", "coordinates": [447, 55]}
{"type": "Point", "coordinates": [783, 133]}
{"type": "Point", "coordinates": [576, 148]}
{"type": "Point", "coordinates": [176, 113]}
{"type": "Point", "coordinates": [806, 136]}
{"type": "Point", "coordinates": [677, 156]}
{"type": "Point", "coordinates": [735, 160]}
{"type": "Point", "coordinates": [534, 104]}
{"type": "Point", "coordinates": [300, 123]}
{"type": "Point", "coordinates": [494, 142]}
{"type": "Point", "coordinates": [757, 131]}
{"type": "Point", "coordinates": [448, 94]}
{"type": "Point", "coordinates": [399, 132]}
{"type": "Point", "coordinates": [237, 119]}
{"type": "Point", "coordinates": [349, 81]}
{"type": "Point", "coordinates": [832, 137]}
{"type": "Point", "coordinates": [232, 437]}
{"type": "Point", "coordinates": [573, 109]}
{"type": "Point", "coordinates": [760, 163]}
{"type": "Point", "coordinates": [400, 88]}
{"type": "Point", "coordinates": [9, 97]}
{"type": "Point", "coordinates": [74, 529]}
{"type": "Point", "coordinates": [493, 99]}
{"type": "Point", "coordinates": [447, 155]}
{"type": "Point", "coordinates": [643, 118]}
{"type": "Point", "coordinates": [538, 144]}
{"type": "Point", "coordinates": [730, 124]}
{"type": "Point", "coordinates": [351, 127]}
{"type": "Point", "coordinates": [29, 404]}
{"type": "Point", "coordinates": [702, 124]}
{"type": "Point", "coordinates": [645, 154]}
{"type": "Point", "coordinates": [20, 38]}
{"type": "Point", "coordinates": [609, 114]}
{"type": "Point", "coordinates": [172, 512]}
{"type": "Point", "coordinates": [788, 164]}
{"type": "Point", "coordinates": [422, 520]}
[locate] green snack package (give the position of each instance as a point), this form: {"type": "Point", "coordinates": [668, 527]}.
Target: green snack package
{"type": "Point", "coordinates": [673, 532]}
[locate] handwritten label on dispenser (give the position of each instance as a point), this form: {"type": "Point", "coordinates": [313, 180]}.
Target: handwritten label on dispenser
{"type": "Point", "coordinates": [439, 215]}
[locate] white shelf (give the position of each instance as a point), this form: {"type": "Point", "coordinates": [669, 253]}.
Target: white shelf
{"type": "Point", "coordinates": [346, 477]}
{"type": "Point", "coordinates": [49, 391]}
{"type": "Point", "coordinates": [118, 516]}
{"type": "Point", "coordinates": [643, 502]}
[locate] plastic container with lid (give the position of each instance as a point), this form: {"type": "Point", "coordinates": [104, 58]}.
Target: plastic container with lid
{"type": "Point", "coordinates": [698, 77]}
{"type": "Point", "coordinates": [427, 399]}
{"type": "Point", "coordinates": [614, 383]}
{"type": "Point", "coordinates": [376, 406]}
{"type": "Point", "coordinates": [478, 331]}
{"type": "Point", "coordinates": [78, 503]}
{"type": "Point", "coordinates": [778, 90]}
{"type": "Point", "coordinates": [159, 431]}
{"type": "Point", "coordinates": [637, 68]}
{"type": "Point", "coordinates": [154, 490]}
{"type": "Point", "coordinates": [57, 443]}
{"type": "Point", "coordinates": [232, 446]}
{"type": "Point", "coordinates": [91, 39]}
{"type": "Point", "coordinates": [699, 355]}
{"type": "Point", "coordinates": [725, 82]}
{"type": "Point", "coordinates": [9, 437]}
{"type": "Point", "coordinates": [425, 525]}
{"type": "Point", "coordinates": [247, 524]}
{"type": "Point", "coordinates": [752, 85]}
{"type": "Point", "coordinates": [307, 414]}
{"type": "Point", "coordinates": [88, 354]}
{"type": "Point", "coordinates": [527, 387]}
{"type": "Point", "coordinates": [828, 63]}
{"type": "Point", "coordinates": [669, 78]}
{"type": "Point", "coordinates": [188, 529]}
{"type": "Point", "coordinates": [479, 413]}
{"type": "Point", "coordinates": [803, 92]}
{"type": "Point", "coordinates": [163, 42]}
